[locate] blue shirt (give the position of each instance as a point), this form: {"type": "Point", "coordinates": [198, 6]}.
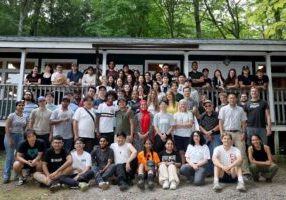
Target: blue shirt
{"type": "Point", "coordinates": [74, 77]}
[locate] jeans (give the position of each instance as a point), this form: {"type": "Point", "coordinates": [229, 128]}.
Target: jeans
{"type": "Point", "coordinates": [95, 173]}
{"type": "Point", "coordinates": [212, 145]}
{"type": "Point", "coordinates": [258, 131]}
{"type": "Point", "coordinates": [68, 144]}
{"type": "Point", "coordinates": [10, 153]}
{"type": "Point", "coordinates": [124, 176]}
{"type": "Point", "coordinates": [268, 171]}
{"type": "Point", "coordinates": [196, 176]}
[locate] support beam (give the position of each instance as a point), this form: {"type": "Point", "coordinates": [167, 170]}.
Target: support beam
{"type": "Point", "coordinates": [186, 64]}
{"type": "Point", "coordinates": [270, 87]}
{"type": "Point", "coordinates": [276, 143]}
{"type": "Point", "coordinates": [21, 78]}
{"type": "Point", "coordinates": [104, 62]}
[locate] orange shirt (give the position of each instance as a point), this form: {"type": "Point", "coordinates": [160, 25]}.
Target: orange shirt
{"type": "Point", "coordinates": [143, 160]}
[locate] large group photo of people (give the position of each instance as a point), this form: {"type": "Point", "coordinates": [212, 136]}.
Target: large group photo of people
{"type": "Point", "coordinates": [146, 129]}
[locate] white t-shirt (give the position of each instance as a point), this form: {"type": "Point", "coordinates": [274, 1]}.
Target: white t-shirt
{"type": "Point", "coordinates": [226, 157]}
{"type": "Point", "coordinates": [121, 153]}
{"type": "Point", "coordinates": [197, 153]}
{"type": "Point", "coordinates": [183, 118]}
{"type": "Point", "coordinates": [107, 117]}
{"type": "Point", "coordinates": [86, 126]}
{"type": "Point", "coordinates": [80, 161]}
{"type": "Point", "coordinates": [88, 80]}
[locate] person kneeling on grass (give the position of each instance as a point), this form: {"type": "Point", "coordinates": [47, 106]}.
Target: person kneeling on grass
{"type": "Point", "coordinates": [227, 164]}
{"type": "Point", "coordinates": [168, 167]}
{"type": "Point", "coordinates": [57, 162]}
{"type": "Point", "coordinates": [125, 160]}
{"type": "Point", "coordinates": [197, 157]}
{"type": "Point", "coordinates": [261, 160]}
{"type": "Point", "coordinates": [147, 161]}
{"type": "Point", "coordinates": [29, 155]}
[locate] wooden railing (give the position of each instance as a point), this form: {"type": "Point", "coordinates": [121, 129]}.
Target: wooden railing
{"type": "Point", "coordinates": [8, 96]}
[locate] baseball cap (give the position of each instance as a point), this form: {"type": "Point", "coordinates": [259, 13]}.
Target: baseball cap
{"type": "Point", "coordinates": [207, 101]}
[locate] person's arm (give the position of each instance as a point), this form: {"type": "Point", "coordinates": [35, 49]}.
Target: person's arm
{"type": "Point", "coordinates": [243, 127]}
{"type": "Point", "coordinates": [75, 129]}
{"type": "Point", "coordinates": [268, 120]}
{"type": "Point", "coordinates": [131, 121]}
{"type": "Point", "coordinates": [237, 162]}
{"type": "Point", "coordinates": [57, 121]}
{"type": "Point", "coordinates": [20, 158]}
{"type": "Point", "coordinates": [65, 165]}
{"type": "Point", "coordinates": [216, 161]}
{"type": "Point", "coordinates": [221, 122]}
{"type": "Point", "coordinates": [200, 80]}
{"type": "Point", "coordinates": [133, 154]}
{"type": "Point", "coordinates": [31, 120]}
{"type": "Point", "coordinates": [8, 128]}
{"type": "Point", "coordinates": [45, 169]}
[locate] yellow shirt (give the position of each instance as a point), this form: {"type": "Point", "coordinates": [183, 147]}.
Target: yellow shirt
{"type": "Point", "coordinates": [172, 110]}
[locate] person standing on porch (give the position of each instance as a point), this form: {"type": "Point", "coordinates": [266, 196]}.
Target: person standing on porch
{"type": "Point", "coordinates": [196, 76]}
{"type": "Point", "coordinates": [74, 76]}
{"type": "Point", "coordinates": [111, 70]}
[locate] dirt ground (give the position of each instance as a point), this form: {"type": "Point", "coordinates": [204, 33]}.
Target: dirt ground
{"type": "Point", "coordinates": [260, 190]}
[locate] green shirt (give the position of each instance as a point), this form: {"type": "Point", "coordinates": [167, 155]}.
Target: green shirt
{"type": "Point", "coordinates": [123, 121]}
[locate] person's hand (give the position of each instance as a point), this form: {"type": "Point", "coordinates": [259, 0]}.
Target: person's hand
{"type": "Point", "coordinates": [128, 168]}
{"type": "Point", "coordinates": [226, 169]}
{"type": "Point", "coordinates": [129, 138]}
{"type": "Point", "coordinates": [12, 143]}
{"type": "Point", "coordinates": [163, 137]}
{"type": "Point", "coordinates": [268, 131]}
{"type": "Point", "coordinates": [34, 163]}
{"type": "Point", "coordinates": [209, 136]}
{"type": "Point", "coordinates": [195, 167]}
{"type": "Point", "coordinates": [268, 162]}
{"type": "Point", "coordinates": [76, 177]}
{"type": "Point", "coordinates": [75, 137]}
{"type": "Point", "coordinates": [140, 135]}
{"type": "Point", "coordinates": [50, 137]}
{"type": "Point", "coordinates": [53, 175]}
{"type": "Point", "coordinates": [30, 163]}
{"type": "Point", "coordinates": [97, 135]}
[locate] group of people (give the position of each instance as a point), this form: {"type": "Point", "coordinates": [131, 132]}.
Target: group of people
{"type": "Point", "coordinates": [145, 129]}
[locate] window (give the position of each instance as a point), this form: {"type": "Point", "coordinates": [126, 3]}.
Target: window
{"type": "Point", "coordinates": [156, 65]}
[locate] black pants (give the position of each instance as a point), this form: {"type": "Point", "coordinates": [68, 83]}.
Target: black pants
{"type": "Point", "coordinates": [88, 144]}
{"type": "Point", "coordinates": [69, 180]}
{"type": "Point", "coordinates": [45, 139]}
{"type": "Point", "coordinates": [124, 176]}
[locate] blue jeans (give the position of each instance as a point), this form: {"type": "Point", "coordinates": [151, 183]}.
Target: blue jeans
{"type": "Point", "coordinates": [212, 145]}
{"type": "Point", "coordinates": [10, 153]}
{"type": "Point", "coordinates": [68, 144]}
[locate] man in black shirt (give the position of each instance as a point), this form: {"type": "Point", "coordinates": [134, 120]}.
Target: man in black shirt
{"type": "Point", "coordinates": [209, 126]}
{"type": "Point", "coordinates": [28, 155]}
{"type": "Point", "coordinates": [196, 76]}
{"type": "Point", "coordinates": [258, 115]}
{"type": "Point", "coordinates": [57, 162]}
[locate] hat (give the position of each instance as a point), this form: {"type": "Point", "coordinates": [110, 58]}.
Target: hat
{"type": "Point", "coordinates": [207, 101]}
{"type": "Point", "coordinates": [101, 86]}
{"type": "Point", "coordinates": [65, 98]}
{"type": "Point", "coordinates": [122, 99]}
{"type": "Point", "coordinates": [41, 98]}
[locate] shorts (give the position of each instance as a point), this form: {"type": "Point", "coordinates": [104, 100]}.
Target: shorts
{"type": "Point", "coordinates": [227, 178]}
{"type": "Point", "coordinates": [181, 143]}
{"type": "Point", "coordinates": [31, 169]}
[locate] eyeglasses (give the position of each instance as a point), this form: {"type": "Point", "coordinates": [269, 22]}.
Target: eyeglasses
{"type": "Point", "coordinates": [207, 106]}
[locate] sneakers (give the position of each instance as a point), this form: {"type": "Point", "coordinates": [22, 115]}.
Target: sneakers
{"type": "Point", "coordinates": [83, 186]}
{"type": "Point", "coordinates": [103, 185]}
{"type": "Point", "coordinates": [166, 185]}
{"type": "Point", "coordinates": [247, 178]}
{"type": "Point", "coordinates": [6, 180]}
{"type": "Point", "coordinates": [55, 187]}
{"type": "Point", "coordinates": [217, 187]}
{"type": "Point", "coordinates": [173, 185]}
{"type": "Point", "coordinates": [123, 186]}
{"type": "Point", "coordinates": [141, 183]}
{"type": "Point", "coordinates": [240, 187]}
{"type": "Point", "coordinates": [21, 181]}
{"type": "Point", "coordinates": [150, 181]}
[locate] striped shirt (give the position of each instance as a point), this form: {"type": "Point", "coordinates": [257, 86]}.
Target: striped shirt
{"type": "Point", "coordinates": [106, 117]}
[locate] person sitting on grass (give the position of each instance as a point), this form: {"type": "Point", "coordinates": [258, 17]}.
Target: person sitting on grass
{"type": "Point", "coordinates": [81, 163]}
{"type": "Point", "coordinates": [261, 160]}
{"type": "Point", "coordinates": [125, 160]}
{"type": "Point", "coordinates": [148, 160]}
{"type": "Point", "coordinates": [29, 155]}
{"type": "Point", "coordinates": [103, 168]}
{"type": "Point", "coordinates": [197, 157]}
{"type": "Point", "coordinates": [57, 162]}
{"type": "Point", "coordinates": [227, 164]}
{"type": "Point", "coordinates": [168, 167]}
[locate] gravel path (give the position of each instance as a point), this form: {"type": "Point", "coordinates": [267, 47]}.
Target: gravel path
{"type": "Point", "coordinates": [259, 191]}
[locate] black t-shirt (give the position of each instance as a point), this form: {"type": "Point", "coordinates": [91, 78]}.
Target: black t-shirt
{"type": "Point", "coordinates": [196, 75]}
{"type": "Point", "coordinates": [33, 79]}
{"type": "Point", "coordinates": [256, 113]}
{"type": "Point", "coordinates": [53, 160]}
{"type": "Point", "coordinates": [246, 80]}
{"type": "Point", "coordinates": [209, 122]}
{"type": "Point", "coordinates": [169, 157]}
{"type": "Point", "coordinates": [100, 157]}
{"type": "Point", "coordinates": [261, 81]}
{"type": "Point", "coordinates": [30, 153]}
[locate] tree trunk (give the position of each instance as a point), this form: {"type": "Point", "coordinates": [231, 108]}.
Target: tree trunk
{"type": "Point", "coordinates": [277, 16]}
{"type": "Point", "coordinates": [197, 18]}
{"type": "Point", "coordinates": [35, 22]}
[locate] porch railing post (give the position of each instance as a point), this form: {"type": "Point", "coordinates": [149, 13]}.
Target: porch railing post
{"type": "Point", "coordinates": [186, 64]}
{"type": "Point", "coordinates": [270, 87]}
{"type": "Point", "coordinates": [21, 78]}
{"type": "Point", "coordinates": [104, 62]}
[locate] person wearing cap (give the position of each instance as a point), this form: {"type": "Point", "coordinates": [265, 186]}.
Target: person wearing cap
{"type": "Point", "coordinates": [209, 126]}
{"type": "Point", "coordinates": [124, 119]}
{"type": "Point", "coordinates": [14, 133]}
{"type": "Point", "coordinates": [50, 101]}
{"type": "Point", "coordinates": [261, 80]}
{"type": "Point", "coordinates": [245, 80]}
{"type": "Point", "coordinates": [105, 116]}
{"type": "Point", "coordinates": [74, 76]}
{"type": "Point", "coordinates": [40, 121]}
{"type": "Point", "coordinates": [61, 120]}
